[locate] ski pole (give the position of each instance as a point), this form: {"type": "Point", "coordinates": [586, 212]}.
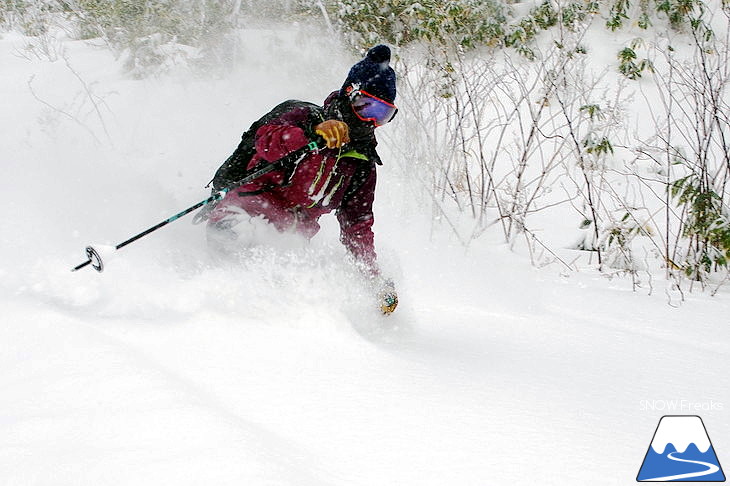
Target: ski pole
{"type": "Point", "coordinates": [94, 255]}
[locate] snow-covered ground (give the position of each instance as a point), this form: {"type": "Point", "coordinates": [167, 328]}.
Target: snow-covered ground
{"type": "Point", "coordinates": [171, 368]}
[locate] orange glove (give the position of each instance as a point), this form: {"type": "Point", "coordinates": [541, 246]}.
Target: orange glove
{"type": "Point", "coordinates": [334, 132]}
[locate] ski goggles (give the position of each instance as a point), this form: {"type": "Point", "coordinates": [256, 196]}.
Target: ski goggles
{"type": "Point", "coordinates": [371, 108]}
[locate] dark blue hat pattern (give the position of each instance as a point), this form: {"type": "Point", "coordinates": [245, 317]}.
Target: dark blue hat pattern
{"type": "Point", "coordinates": [374, 74]}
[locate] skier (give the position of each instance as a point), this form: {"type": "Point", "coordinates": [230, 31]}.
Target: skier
{"type": "Point", "coordinates": [340, 177]}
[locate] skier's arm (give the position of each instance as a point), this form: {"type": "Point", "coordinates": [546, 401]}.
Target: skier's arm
{"type": "Point", "coordinates": [275, 141]}
{"type": "Point", "coordinates": [356, 220]}
{"type": "Point", "coordinates": [356, 232]}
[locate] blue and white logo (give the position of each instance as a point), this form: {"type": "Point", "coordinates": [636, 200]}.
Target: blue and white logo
{"type": "Point", "coordinates": [681, 451]}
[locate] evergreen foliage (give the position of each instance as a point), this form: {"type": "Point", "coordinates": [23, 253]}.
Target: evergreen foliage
{"type": "Point", "coordinates": [707, 225]}
{"type": "Point", "coordinates": [466, 23]}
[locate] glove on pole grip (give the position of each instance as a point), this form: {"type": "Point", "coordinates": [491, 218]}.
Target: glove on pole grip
{"type": "Point", "coordinates": [335, 132]}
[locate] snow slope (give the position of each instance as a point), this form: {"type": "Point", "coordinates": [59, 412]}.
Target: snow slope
{"type": "Point", "coordinates": [172, 368]}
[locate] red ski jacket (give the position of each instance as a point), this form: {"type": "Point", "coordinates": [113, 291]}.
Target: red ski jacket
{"type": "Point", "coordinates": [341, 180]}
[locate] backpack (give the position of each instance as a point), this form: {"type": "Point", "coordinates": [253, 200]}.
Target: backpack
{"type": "Point", "coordinates": [235, 167]}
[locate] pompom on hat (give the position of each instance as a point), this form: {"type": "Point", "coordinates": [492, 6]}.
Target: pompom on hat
{"type": "Point", "coordinates": [373, 74]}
